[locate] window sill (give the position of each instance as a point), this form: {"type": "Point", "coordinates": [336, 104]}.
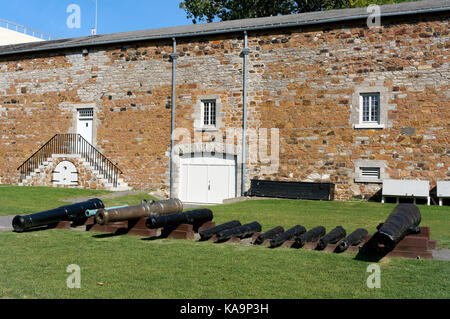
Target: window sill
{"type": "Point", "coordinates": [368, 180]}
{"type": "Point", "coordinates": [206, 129]}
{"type": "Point", "coordinates": [369, 126]}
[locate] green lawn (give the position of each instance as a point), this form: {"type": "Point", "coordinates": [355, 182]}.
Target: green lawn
{"type": "Point", "coordinates": [33, 264]}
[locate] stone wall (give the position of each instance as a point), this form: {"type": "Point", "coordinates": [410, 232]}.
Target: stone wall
{"type": "Point", "coordinates": [301, 81]}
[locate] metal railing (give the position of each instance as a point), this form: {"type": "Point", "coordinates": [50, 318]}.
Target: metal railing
{"type": "Point", "coordinates": [71, 144]}
{"type": "Point", "coordinates": [25, 30]}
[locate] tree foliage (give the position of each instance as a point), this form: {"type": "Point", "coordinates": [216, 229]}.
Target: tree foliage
{"type": "Point", "coordinates": [210, 10]}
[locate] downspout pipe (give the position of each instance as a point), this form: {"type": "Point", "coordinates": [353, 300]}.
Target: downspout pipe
{"type": "Point", "coordinates": [173, 57]}
{"type": "Point", "coordinates": [245, 53]}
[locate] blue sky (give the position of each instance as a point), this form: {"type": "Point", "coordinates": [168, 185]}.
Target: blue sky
{"type": "Point", "coordinates": [113, 15]}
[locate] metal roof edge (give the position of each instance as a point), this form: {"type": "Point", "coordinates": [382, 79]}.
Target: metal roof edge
{"type": "Point", "coordinates": [226, 30]}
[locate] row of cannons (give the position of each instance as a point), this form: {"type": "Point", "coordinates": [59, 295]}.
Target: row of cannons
{"type": "Point", "coordinates": [400, 235]}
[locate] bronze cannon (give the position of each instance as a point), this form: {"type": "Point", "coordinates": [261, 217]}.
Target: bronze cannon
{"type": "Point", "coordinates": [145, 209]}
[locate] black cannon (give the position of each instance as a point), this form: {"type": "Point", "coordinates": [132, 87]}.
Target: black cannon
{"type": "Point", "coordinates": [404, 220]}
{"type": "Point", "coordinates": [332, 237]}
{"type": "Point", "coordinates": [196, 216]}
{"type": "Point", "coordinates": [355, 238]}
{"type": "Point", "coordinates": [208, 233]}
{"type": "Point", "coordinates": [310, 236]}
{"type": "Point", "coordinates": [270, 234]}
{"type": "Point", "coordinates": [74, 213]}
{"type": "Point", "coordinates": [240, 231]}
{"type": "Point", "coordinates": [287, 235]}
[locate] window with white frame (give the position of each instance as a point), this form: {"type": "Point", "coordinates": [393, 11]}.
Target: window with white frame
{"type": "Point", "coordinates": [370, 108]}
{"type": "Point", "coordinates": [209, 113]}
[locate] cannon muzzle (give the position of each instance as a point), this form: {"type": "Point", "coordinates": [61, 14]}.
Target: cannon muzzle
{"type": "Point", "coordinates": [241, 231]}
{"type": "Point", "coordinates": [310, 236]}
{"type": "Point", "coordinates": [404, 220]}
{"type": "Point", "coordinates": [287, 235]}
{"type": "Point", "coordinates": [74, 213]}
{"type": "Point", "coordinates": [208, 233]}
{"type": "Point", "coordinates": [196, 216]}
{"type": "Point", "coordinates": [270, 234]}
{"type": "Point", "coordinates": [355, 238]}
{"type": "Point", "coordinates": [332, 237]}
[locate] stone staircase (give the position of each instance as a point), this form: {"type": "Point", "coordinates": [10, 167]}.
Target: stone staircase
{"type": "Point", "coordinates": [38, 176]}
{"type": "Point", "coordinates": [93, 171]}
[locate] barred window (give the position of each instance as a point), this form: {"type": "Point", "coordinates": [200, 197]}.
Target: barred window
{"type": "Point", "coordinates": [86, 113]}
{"type": "Point", "coordinates": [209, 112]}
{"type": "Point", "coordinates": [370, 108]}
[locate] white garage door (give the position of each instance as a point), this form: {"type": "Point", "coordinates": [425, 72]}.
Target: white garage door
{"type": "Point", "coordinates": [207, 179]}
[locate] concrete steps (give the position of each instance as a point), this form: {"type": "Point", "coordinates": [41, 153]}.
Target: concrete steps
{"type": "Point", "coordinates": [121, 184]}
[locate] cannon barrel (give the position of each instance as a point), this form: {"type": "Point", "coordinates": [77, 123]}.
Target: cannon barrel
{"type": "Point", "coordinates": [287, 235]}
{"type": "Point", "coordinates": [332, 237]}
{"type": "Point", "coordinates": [270, 234]}
{"type": "Point", "coordinates": [310, 236]}
{"type": "Point", "coordinates": [195, 216]}
{"type": "Point", "coordinates": [240, 231]}
{"type": "Point", "coordinates": [208, 233]}
{"type": "Point", "coordinates": [74, 213]}
{"type": "Point", "coordinates": [92, 212]}
{"type": "Point", "coordinates": [403, 220]}
{"type": "Point", "coordinates": [355, 238]}
{"type": "Point", "coordinates": [145, 209]}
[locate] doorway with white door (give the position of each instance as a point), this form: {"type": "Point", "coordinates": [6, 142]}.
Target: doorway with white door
{"type": "Point", "coordinates": [85, 123]}
{"type": "Point", "coordinates": [207, 178]}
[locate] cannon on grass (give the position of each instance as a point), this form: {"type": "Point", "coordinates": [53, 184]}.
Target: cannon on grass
{"type": "Point", "coordinates": [196, 216]}
{"type": "Point", "coordinates": [332, 237]}
{"type": "Point", "coordinates": [74, 213]}
{"type": "Point", "coordinates": [208, 233]}
{"type": "Point", "coordinates": [92, 212]}
{"type": "Point", "coordinates": [402, 221]}
{"type": "Point", "coordinates": [287, 235]}
{"type": "Point", "coordinates": [310, 236]}
{"type": "Point", "coordinates": [240, 231]}
{"type": "Point", "coordinates": [355, 238]}
{"type": "Point", "coordinates": [145, 209]}
{"type": "Point", "coordinates": [270, 234]}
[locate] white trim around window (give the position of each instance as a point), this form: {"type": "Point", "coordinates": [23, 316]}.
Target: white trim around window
{"type": "Point", "coordinates": [370, 107]}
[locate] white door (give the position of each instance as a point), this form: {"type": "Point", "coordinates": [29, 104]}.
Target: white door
{"type": "Point", "coordinates": [65, 173]}
{"type": "Point", "coordinates": [207, 179]}
{"type": "Point", "coordinates": [84, 125]}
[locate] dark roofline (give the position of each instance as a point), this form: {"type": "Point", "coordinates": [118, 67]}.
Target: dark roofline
{"type": "Point", "coordinates": [293, 20]}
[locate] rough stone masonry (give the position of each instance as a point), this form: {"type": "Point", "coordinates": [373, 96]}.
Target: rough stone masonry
{"type": "Point", "coordinates": [303, 81]}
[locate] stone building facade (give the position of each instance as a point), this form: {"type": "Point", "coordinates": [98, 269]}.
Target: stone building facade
{"type": "Point", "coordinates": [346, 103]}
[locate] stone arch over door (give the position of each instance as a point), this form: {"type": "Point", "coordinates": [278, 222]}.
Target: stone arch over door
{"type": "Point", "coordinates": [66, 174]}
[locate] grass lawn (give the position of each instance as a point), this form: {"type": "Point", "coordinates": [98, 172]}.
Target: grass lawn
{"type": "Point", "coordinates": [33, 264]}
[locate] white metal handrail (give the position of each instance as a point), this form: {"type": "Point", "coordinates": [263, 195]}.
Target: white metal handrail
{"type": "Point", "coordinates": [26, 30]}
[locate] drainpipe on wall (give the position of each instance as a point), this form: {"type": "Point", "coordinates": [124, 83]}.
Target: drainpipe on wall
{"type": "Point", "coordinates": [173, 57]}
{"type": "Point", "coordinates": [244, 53]}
